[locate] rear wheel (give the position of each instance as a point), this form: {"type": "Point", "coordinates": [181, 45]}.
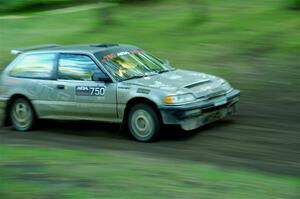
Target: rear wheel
{"type": "Point", "coordinates": [21, 115]}
{"type": "Point", "coordinates": [143, 123]}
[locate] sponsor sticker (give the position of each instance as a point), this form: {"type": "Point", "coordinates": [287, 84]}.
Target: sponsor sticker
{"type": "Point", "coordinates": [90, 90]}
{"type": "Point", "coordinates": [112, 56]}
{"type": "Point", "coordinates": [108, 57]}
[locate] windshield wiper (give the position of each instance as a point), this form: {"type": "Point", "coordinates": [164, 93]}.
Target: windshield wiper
{"type": "Point", "coordinates": [135, 77]}
{"type": "Point", "coordinates": [146, 75]}
{"type": "Point", "coordinates": [163, 71]}
{"type": "Point", "coordinates": [167, 70]}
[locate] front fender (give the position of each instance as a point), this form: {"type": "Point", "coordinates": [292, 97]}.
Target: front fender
{"type": "Point", "coordinates": [126, 93]}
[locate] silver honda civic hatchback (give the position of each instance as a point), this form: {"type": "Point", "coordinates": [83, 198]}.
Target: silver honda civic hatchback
{"type": "Point", "coordinates": [112, 83]}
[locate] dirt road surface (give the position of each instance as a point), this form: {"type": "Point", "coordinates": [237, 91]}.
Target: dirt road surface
{"type": "Point", "coordinates": [264, 136]}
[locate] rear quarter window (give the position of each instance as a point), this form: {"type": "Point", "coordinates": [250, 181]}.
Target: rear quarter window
{"type": "Point", "coordinates": [39, 66]}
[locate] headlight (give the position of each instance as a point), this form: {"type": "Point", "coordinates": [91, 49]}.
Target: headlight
{"type": "Point", "coordinates": [179, 99]}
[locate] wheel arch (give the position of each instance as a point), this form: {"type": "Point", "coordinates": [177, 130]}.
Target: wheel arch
{"type": "Point", "coordinates": [9, 104]}
{"type": "Point", "coordinates": [140, 100]}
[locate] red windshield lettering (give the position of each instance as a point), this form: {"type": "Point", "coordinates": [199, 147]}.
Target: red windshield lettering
{"type": "Point", "coordinates": [108, 57]}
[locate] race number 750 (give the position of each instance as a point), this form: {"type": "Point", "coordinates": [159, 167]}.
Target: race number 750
{"type": "Point", "coordinates": [97, 91]}
{"type": "Point", "coordinates": [90, 90]}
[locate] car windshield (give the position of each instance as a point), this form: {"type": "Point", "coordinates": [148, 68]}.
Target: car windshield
{"type": "Point", "coordinates": [133, 64]}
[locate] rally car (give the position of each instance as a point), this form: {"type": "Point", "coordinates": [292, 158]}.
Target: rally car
{"type": "Point", "coordinates": [116, 83]}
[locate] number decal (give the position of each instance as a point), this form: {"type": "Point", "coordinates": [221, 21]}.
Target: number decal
{"type": "Point", "coordinates": [97, 91]}
{"type": "Point", "coordinates": [90, 91]}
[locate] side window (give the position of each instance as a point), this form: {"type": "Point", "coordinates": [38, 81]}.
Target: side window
{"type": "Point", "coordinates": [76, 67]}
{"type": "Point", "coordinates": [35, 66]}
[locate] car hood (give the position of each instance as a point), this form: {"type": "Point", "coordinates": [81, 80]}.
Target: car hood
{"type": "Point", "coordinates": [182, 81]}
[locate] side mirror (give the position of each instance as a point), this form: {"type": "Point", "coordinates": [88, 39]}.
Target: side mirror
{"type": "Point", "coordinates": [100, 77]}
{"type": "Point", "coordinates": [166, 62]}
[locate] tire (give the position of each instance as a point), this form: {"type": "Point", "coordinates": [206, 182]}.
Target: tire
{"type": "Point", "coordinates": [21, 115]}
{"type": "Point", "coordinates": [143, 123]}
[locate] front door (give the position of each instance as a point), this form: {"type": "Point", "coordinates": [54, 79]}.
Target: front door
{"type": "Point", "coordinates": [84, 98]}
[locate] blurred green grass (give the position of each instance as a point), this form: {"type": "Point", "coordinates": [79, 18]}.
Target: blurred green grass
{"type": "Point", "coordinates": [35, 172]}
{"type": "Point", "coordinates": [249, 43]}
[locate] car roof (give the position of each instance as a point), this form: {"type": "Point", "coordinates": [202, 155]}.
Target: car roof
{"type": "Point", "coordinates": [79, 48]}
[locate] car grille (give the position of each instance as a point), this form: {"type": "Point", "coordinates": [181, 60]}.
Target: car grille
{"type": "Point", "coordinates": [214, 108]}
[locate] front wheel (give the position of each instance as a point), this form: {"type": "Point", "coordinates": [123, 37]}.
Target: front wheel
{"type": "Point", "coordinates": [21, 115]}
{"type": "Point", "coordinates": [144, 123]}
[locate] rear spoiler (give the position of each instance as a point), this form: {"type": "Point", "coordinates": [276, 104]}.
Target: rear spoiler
{"type": "Point", "coordinates": [18, 51]}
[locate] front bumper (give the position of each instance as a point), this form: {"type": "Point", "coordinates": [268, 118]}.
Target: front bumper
{"type": "Point", "coordinates": [194, 115]}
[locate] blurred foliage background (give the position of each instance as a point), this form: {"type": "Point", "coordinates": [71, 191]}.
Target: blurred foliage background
{"type": "Point", "coordinates": [234, 38]}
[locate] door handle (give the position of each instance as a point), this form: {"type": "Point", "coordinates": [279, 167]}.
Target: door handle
{"type": "Point", "coordinates": [61, 87]}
